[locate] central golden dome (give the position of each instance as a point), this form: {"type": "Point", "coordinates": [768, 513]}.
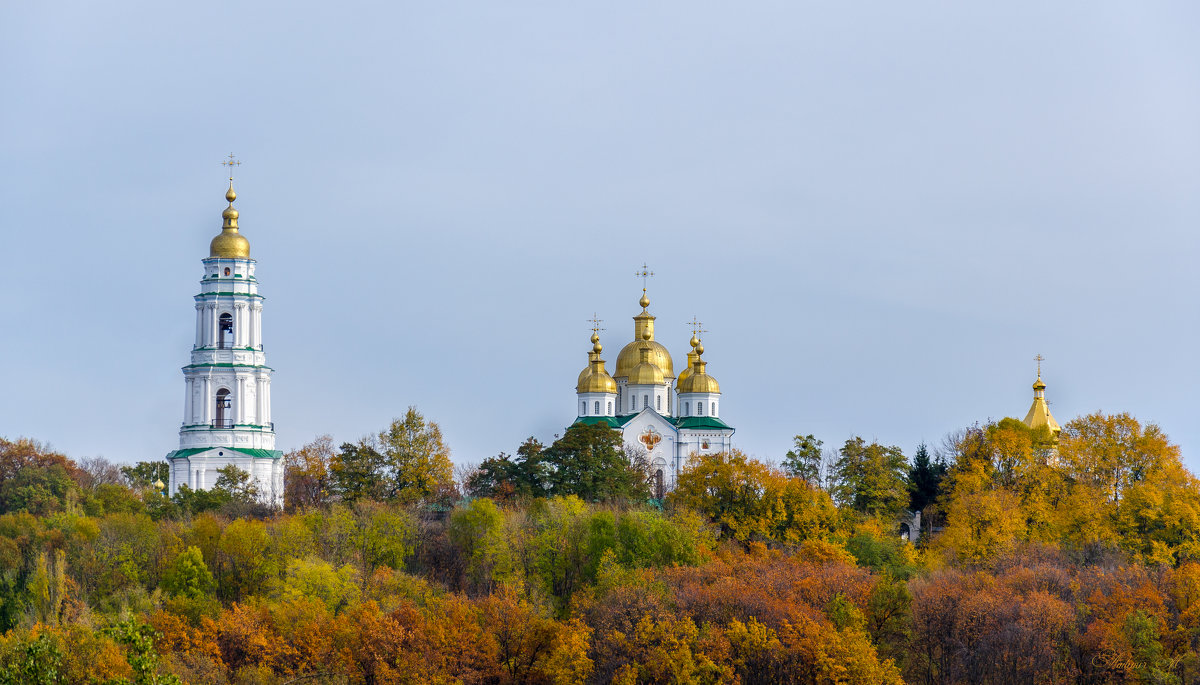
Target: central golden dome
{"type": "Point", "coordinates": [229, 244]}
{"type": "Point", "coordinates": [646, 372]}
{"type": "Point", "coordinates": [643, 337]}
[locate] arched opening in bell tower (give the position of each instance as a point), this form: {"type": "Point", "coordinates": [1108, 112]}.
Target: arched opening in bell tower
{"type": "Point", "coordinates": [224, 415]}
{"type": "Point", "coordinates": [225, 326]}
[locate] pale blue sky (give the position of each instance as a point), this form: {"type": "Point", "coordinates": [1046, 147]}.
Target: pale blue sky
{"type": "Point", "coordinates": [881, 211]}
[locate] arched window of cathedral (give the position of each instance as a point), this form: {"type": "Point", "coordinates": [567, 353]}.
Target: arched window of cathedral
{"type": "Point", "coordinates": [660, 488]}
{"type": "Point", "coordinates": [583, 408]}
{"type": "Point", "coordinates": [224, 416]}
{"type": "Point", "coordinates": [687, 408]}
{"type": "Point", "coordinates": [658, 402]}
{"type": "Point", "coordinates": [224, 325]}
{"type": "Point", "coordinates": [699, 409]}
{"type": "Point", "coordinates": [713, 408]}
{"type": "Point", "coordinates": [597, 407]}
{"type": "Point", "coordinates": [645, 401]}
{"type": "Point", "coordinates": [610, 408]}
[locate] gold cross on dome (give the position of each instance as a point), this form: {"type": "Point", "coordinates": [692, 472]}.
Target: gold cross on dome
{"type": "Point", "coordinates": [644, 274]}
{"type": "Point", "coordinates": [231, 163]}
{"type": "Point", "coordinates": [1040, 359]}
{"type": "Point", "coordinates": [595, 321]}
{"type": "Point", "coordinates": [697, 326]}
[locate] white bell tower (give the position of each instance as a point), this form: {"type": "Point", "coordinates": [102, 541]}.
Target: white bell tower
{"type": "Point", "coordinates": [227, 402]}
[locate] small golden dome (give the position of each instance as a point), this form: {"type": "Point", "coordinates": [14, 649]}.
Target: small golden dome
{"type": "Point", "coordinates": [229, 244]}
{"type": "Point", "coordinates": [698, 381]}
{"type": "Point", "coordinates": [697, 378]}
{"type": "Point", "coordinates": [645, 301]}
{"type": "Point", "coordinates": [597, 381]}
{"type": "Point", "coordinates": [595, 378]}
{"type": "Point", "coordinates": [1038, 384]}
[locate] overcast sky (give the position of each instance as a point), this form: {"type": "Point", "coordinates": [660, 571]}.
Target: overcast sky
{"type": "Point", "coordinates": [881, 211]}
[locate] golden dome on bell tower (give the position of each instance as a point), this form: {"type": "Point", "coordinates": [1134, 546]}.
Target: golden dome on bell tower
{"type": "Point", "coordinates": [229, 244]}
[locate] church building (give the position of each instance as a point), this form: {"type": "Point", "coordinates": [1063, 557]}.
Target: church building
{"type": "Point", "coordinates": [668, 417]}
{"type": "Point", "coordinates": [227, 397]}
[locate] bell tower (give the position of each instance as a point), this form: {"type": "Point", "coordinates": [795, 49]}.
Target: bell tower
{"type": "Point", "coordinates": [227, 398]}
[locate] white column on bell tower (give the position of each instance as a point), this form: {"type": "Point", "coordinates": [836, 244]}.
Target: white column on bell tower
{"type": "Point", "coordinates": [239, 434]}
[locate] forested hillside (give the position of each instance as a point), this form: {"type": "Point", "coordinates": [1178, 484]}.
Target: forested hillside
{"type": "Point", "coordinates": [1040, 560]}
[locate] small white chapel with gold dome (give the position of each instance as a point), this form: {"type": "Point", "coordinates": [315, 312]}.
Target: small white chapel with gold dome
{"type": "Point", "coordinates": [669, 417]}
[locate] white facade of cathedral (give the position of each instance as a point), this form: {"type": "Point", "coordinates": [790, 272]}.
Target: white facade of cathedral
{"type": "Point", "coordinates": [670, 418]}
{"type": "Point", "coordinates": [227, 399]}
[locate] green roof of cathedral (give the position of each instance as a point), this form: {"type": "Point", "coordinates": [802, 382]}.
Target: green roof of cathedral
{"type": "Point", "coordinates": [690, 422]}
{"type": "Point", "coordinates": [700, 422]}
{"type": "Point", "coordinates": [610, 421]}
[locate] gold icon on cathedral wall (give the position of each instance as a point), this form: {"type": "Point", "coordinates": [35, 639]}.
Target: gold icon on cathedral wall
{"type": "Point", "coordinates": [650, 438]}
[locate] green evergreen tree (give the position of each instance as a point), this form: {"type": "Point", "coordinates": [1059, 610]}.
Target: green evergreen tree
{"type": "Point", "coordinates": [924, 479]}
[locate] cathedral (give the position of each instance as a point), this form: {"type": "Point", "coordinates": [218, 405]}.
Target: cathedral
{"type": "Point", "coordinates": [668, 417]}
{"type": "Point", "coordinates": [227, 398]}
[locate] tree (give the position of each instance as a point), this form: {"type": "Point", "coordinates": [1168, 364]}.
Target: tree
{"type": "Point", "coordinates": [240, 486]}
{"type": "Point", "coordinates": [307, 478]}
{"type": "Point", "coordinates": [97, 471]}
{"type": "Point", "coordinates": [505, 478]}
{"type": "Point", "coordinates": [1114, 452]}
{"type": "Point", "coordinates": [408, 462]}
{"type": "Point", "coordinates": [589, 461]}
{"type": "Point", "coordinates": [144, 474]}
{"type": "Point", "coordinates": [355, 472]}
{"type": "Point", "coordinates": [138, 639]}
{"type": "Point", "coordinates": [478, 531]}
{"type": "Point", "coordinates": [416, 459]}
{"type": "Point", "coordinates": [752, 501]}
{"type": "Point", "coordinates": [35, 479]}
{"type": "Point", "coordinates": [871, 479]}
{"type": "Point", "coordinates": [384, 536]}
{"type": "Point", "coordinates": [188, 575]}
{"type": "Point", "coordinates": [804, 459]}
{"type": "Point", "coordinates": [924, 479]}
